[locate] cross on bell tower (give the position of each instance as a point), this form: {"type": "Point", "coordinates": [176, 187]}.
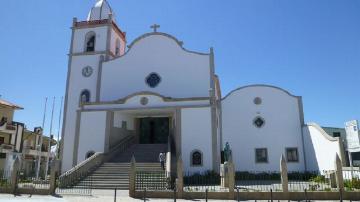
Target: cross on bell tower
{"type": "Point", "coordinates": [155, 27]}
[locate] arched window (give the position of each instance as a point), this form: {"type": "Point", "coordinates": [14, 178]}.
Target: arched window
{"type": "Point", "coordinates": [85, 96]}
{"type": "Point", "coordinates": [90, 42]}
{"type": "Point", "coordinates": [196, 158]}
{"type": "Point", "coordinates": [89, 154]}
{"type": "Point", "coordinates": [117, 47]}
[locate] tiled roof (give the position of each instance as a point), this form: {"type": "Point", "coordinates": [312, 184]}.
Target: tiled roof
{"type": "Point", "coordinates": [9, 104]}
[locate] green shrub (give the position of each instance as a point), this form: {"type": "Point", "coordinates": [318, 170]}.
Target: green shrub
{"type": "Point", "coordinates": [318, 179]}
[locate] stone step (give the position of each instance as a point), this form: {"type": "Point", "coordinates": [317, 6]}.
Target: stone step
{"type": "Point", "coordinates": [110, 175]}
{"type": "Point", "coordinates": [127, 168]}
{"type": "Point", "coordinates": [104, 187]}
{"type": "Point", "coordinates": [115, 173]}
{"type": "Point", "coordinates": [103, 182]}
{"type": "Point", "coordinates": [106, 179]}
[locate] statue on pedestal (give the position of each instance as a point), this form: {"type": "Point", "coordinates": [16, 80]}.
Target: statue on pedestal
{"type": "Point", "coordinates": [227, 152]}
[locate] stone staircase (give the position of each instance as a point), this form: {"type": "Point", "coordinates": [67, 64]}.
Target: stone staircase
{"type": "Point", "coordinates": [115, 173]}
{"type": "Point", "coordinates": [142, 153]}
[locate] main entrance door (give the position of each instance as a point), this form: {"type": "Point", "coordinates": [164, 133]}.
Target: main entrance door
{"type": "Point", "coordinates": [154, 130]}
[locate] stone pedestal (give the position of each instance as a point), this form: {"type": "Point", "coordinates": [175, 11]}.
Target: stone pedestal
{"type": "Point", "coordinates": [227, 173]}
{"type": "Point", "coordinates": [14, 175]}
{"type": "Point", "coordinates": [132, 177]}
{"type": "Point", "coordinates": [284, 174]}
{"type": "Point", "coordinates": [180, 178]}
{"type": "Point", "coordinates": [222, 175]}
{"type": "Point", "coordinates": [339, 173]}
{"type": "Point", "coordinates": [231, 176]}
{"type": "Point", "coordinates": [54, 170]}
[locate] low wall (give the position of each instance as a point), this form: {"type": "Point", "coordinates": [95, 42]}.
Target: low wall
{"type": "Point", "coordinates": [33, 191]}
{"type": "Point", "coordinates": [253, 195]}
{"type": "Point", "coordinates": [25, 191]}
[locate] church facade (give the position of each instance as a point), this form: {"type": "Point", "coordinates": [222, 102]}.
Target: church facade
{"type": "Point", "coordinates": [158, 92]}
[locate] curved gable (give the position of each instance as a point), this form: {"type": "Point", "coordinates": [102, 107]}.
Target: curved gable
{"type": "Point", "coordinates": [260, 86]}
{"type": "Point", "coordinates": [280, 115]}
{"type": "Point", "coordinates": [183, 73]}
{"type": "Point", "coordinates": [164, 36]}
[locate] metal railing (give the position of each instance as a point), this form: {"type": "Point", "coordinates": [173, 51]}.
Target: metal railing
{"type": "Point", "coordinates": [123, 144]}
{"type": "Point", "coordinates": [5, 178]}
{"type": "Point", "coordinates": [351, 179]}
{"type": "Point", "coordinates": [201, 181]}
{"type": "Point", "coordinates": [154, 181]}
{"type": "Point", "coordinates": [27, 180]}
{"type": "Point", "coordinates": [312, 181]}
{"type": "Point", "coordinates": [70, 185]}
{"type": "Point", "coordinates": [258, 181]}
{"type": "Point", "coordinates": [89, 165]}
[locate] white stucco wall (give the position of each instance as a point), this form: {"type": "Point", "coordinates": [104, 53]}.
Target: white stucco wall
{"type": "Point", "coordinates": [282, 128]}
{"type": "Point", "coordinates": [196, 135]}
{"type": "Point", "coordinates": [320, 148]}
{"type": "Point", "coordinates": [183, 74]}
{"type": "Point", "coordinates": [154, 101]}
{"type": "Point", "coordinates": [115, 36]}
{"type": "Point", "coordinates": [119, 117]}
{"type": "Point", "coordinates": [92, 133]}
{"type": "Point", "coordinates": [77, 83]}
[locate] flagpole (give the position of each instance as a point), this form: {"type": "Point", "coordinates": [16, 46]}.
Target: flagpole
{"type": "Point", "coordinates": [40, 142]}
{"type": "Point", "coordinates": [58, 135]}
{"type": "Point", "coordinates": [49, 144]}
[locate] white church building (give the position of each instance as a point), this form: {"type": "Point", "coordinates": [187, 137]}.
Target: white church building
{"type": "Point", "coordinates": [154, 90]}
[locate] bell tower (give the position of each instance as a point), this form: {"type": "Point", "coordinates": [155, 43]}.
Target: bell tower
{"type": "Point", "coordinates": [93, 41]}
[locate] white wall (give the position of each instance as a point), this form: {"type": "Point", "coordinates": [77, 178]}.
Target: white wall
{"type": "Point", "coordinates": [92, 133]}
{"type": "Point", "coordinates": [77, 83]}
{"type": "Point", "coordinates": [114, 37]}
{"type": "Point", "coordinates": [282, 127]}
{"type": "Point", "coordinates": [196, 135]}
{"type": "Point", "coordinates": [320, 148]}
{"type": "Point", "coordinates": [177, 68]}
{"type": "Point", "coordinates": [120, 117]}
{"type": "Point", "coordinates": [154, 101]}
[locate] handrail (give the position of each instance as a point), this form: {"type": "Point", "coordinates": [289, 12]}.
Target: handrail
{"type": "Point", "coordinates": [88, 165]}
{"type": "Point", "coordinates": [121, 146]}
{"type": "Point", "coordinates": [83, 163]}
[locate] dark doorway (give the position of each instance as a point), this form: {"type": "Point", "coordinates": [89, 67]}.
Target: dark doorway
{"type": "Point", "coordinates": [154, 130]}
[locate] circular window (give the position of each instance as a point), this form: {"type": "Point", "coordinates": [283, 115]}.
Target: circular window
{"type": "Point", "coordinates": [257, 101]}
{"type": "Point", "coordinates": [259, 122]}
{"type": "Point", "coordinates": [153, 80]}
{"type": "Point", "coordinates": [144, 101]}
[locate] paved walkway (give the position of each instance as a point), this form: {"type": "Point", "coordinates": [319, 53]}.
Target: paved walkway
{"type": "Point", "coordinates": [98, 196]}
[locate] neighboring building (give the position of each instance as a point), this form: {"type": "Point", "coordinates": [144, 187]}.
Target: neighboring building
{"type": "Point", "coordinates": [156, 90]}
{"type": "Point", "coordinates": [18, 142]}
{"type": "Point", "coordinates": [341, 133]}
{"type": "Point", "coordinates": [353, 142]}
{"type": "Point", "coordinates": [11, 134]}
{"type": "Point", "coordinates": [30, 152]}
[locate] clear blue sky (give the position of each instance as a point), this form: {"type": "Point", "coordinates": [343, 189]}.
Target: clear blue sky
{"type": "Point", "coordinates": [310, 48]}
